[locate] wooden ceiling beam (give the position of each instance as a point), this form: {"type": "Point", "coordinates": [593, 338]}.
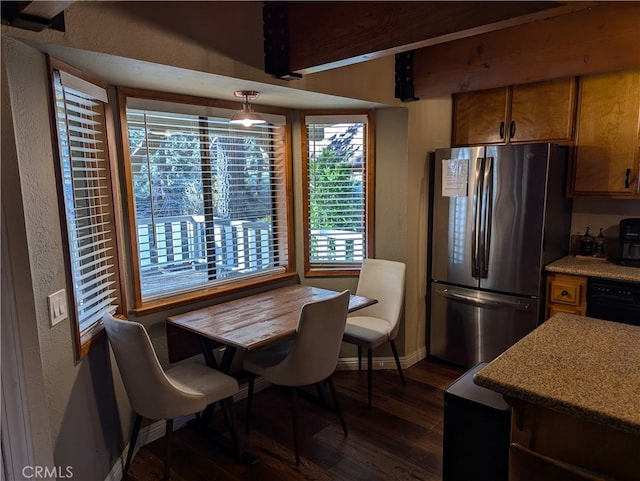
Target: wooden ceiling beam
{"type": "Point", "coordinates": [45, 9]}
{"type": "Point", "coordinates": [600, 39]}
{"type": "Point", "coordinates": [325, 35]}
{"type": "Point", "coordinates": [36, 15]}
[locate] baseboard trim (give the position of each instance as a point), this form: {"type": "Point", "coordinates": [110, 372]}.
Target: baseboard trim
{"type": "Point", "coordinates": [351, 363]}
{"type": "Point", "coordinates": [156, 430]}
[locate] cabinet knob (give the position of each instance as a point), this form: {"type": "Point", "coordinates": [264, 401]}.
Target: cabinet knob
{"type": "Point", "coordinates": [512, 129]}
{"type": "Point", "coordinates": [502, 130]}
{"type": "Point", "coordinates": [627, 179]}
{"type": "Point", "coordinates": [564, 293]}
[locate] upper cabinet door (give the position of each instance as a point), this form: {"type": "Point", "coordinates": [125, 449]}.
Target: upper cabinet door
{"type": "Point", "coordinates": [535, 112]}
{"type": "Point", "coordinates": [543, 111]}
{"type": "Point", "coordinates": [480, 117]}
{"type": "Point", "coordinates": [606, 154]}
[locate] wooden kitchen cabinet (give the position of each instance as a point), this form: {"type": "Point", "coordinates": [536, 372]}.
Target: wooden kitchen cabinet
{"type": "Point", "coordinates": [608, 126]}
{"type": "Point", "coordinates": [528, 465]}
{"type": "Point", "coordinates": [479, 117]}
{"type": "Point", "coordinates": [555, 446]}
{"type": "Point", "coordinates": [566, 293]}
{"type": "Point", "coordinates": [543, 111]}
{"type": "Point", "coordinates": [570, 384]}
{"type": "Point", "coordinates": [535, 112]}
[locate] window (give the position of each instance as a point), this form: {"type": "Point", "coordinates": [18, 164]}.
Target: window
{"type": "Point", "coordinates": [338, 192]}
{"type": "Point", "coordinates": [87, 201]}
{"type": "Point", "coordinates": [210, 205]}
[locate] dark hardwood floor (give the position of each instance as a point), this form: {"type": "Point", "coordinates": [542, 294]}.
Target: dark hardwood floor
{"type": "Point", "coordinates": [399, 439]}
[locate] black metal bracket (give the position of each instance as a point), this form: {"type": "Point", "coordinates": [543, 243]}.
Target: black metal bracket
{"type": "Point", "coordinates": [404, 77]}
{"type": "Point", "coordinates": [275, 24]}
{"type": "Point", "coordinates": [11, 14]}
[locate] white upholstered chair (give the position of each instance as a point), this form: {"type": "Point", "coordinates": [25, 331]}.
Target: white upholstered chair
{"type": "Point", "coordinates": [376, 324]}
{"type": "Point", "coordinates": [310, 359]}
{"type": "Point", "coordinates": [184, 389]}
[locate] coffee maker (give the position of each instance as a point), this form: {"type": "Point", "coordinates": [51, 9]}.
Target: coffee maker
{"type": "Point", "coordinates": [630, 242]}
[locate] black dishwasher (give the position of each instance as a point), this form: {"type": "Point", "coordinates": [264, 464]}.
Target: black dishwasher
{"type": "Point", "coordinates": [477, 425]}
{"type": "Point", "coordinates": [613, 300]}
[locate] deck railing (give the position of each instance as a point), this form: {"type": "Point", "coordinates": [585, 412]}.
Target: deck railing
{"type": "Point", "coordinates": [178, 243]}
{"type": "Point", "coordinates": [334, 245]}
{"type": "Point", "coordinates": [175, 250]}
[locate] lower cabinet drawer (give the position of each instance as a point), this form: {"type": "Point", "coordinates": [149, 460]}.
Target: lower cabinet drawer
{"type": "Point", "coordinates": [566, 294]}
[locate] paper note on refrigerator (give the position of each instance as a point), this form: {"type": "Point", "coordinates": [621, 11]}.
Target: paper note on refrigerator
{"type": "Point", "coordinates": [455, 177]}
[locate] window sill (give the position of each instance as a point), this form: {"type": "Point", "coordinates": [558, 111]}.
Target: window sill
{"type": "Point", "coordinates": [333, 272]}
{"type": "Point", "coordinates": [88, 338]}
{"type": "Point", "coordinates": [212, 293]}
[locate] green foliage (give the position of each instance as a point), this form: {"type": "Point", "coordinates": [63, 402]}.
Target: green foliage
{"type": "Point", "coordinates": [332, 183]}
{"type": "Point", "coordinates": [169, 180]}
{"type": "Point", "coordinates": [172, 174]}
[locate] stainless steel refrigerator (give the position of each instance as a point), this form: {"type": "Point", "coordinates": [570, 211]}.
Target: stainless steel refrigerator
{"type": "Point", "coordinates": [499, 215]}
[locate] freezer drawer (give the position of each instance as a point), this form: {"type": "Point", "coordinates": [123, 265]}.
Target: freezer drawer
{"type": "Point", "coordinates": [469, 326]}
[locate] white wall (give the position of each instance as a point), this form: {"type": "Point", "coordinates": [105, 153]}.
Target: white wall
{"type": "Point", "coordinates": [19, 311]}
{"type": "Point", "coordinates": [606, 213]}
{"type": "Point", "coordinates": [81, 415]}
{"type": "Point", "coordinates": [72, 404]}
{"type": "Point", "coordinates": [429, 128]}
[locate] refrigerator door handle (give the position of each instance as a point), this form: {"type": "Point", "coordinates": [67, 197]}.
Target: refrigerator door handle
{"type": "Point", "coordinates": [487, 211]}
{"type": "Point", "coordinates": [519, 306]}
{"type": "Point", "coordinates": [476, 213]}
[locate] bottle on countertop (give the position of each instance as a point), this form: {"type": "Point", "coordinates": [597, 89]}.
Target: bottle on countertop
{"type": "Point", "coordinates": [586, 244]}
{"type": "Point", "coordinates": [600, 245]}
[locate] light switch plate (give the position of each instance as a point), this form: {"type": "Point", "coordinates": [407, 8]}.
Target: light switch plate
{"type": "Point", "coordinates": [57, 306]}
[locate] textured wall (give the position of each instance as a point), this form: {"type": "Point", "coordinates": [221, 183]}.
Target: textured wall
{"type": "Point", "coordinates": [17, 275]}
{"type": "Point", "coordinates": [80, 398]}
{"type": "Point", "coordinates": [429, 128]}
{"type": "Point", "coordinates": [83, 416]}
{"type": "Point", "coordinates": [605, 213]}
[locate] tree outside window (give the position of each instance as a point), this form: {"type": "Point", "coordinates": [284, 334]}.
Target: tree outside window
{"type": "Point", "coordinates": [337, 173]}
{"type": "Point", "coordinates": [205, 197]}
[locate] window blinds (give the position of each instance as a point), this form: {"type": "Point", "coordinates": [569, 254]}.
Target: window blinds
{"type": "Point", "coordinates": [206, 198]}
{"type": "Point", "coordinates": [336, 188]}
{"type": "Point", "coordinates": [79, 107]}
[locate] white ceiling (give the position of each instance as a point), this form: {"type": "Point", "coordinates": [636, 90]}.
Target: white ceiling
{"type": "Point", "coordinates": [146, 75]}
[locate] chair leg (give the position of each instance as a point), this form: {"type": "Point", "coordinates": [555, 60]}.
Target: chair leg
{"type": "Point", "coordinates": [205, 417]}
{"type": "Point", "coordinates": [132, 443]}
{"type": "Point", "coordinates": [321, 393]}
{"type": "Point", "coordinates": [395, 355]}
{"type": "Point", "coordinates": [252, 381]}
{"type": "Point", "coordinates": [294, 410]}
{"type": "Point", "coordinates": [167, 448]}
{"type": "Point", "coordinates": [332, 388]}
{"type": "Point", "coordinates": [229, 412]}
{"type": "Point", "coordinates": [369, 374]}
{"type": "Point", "coordinates": [359, 358]}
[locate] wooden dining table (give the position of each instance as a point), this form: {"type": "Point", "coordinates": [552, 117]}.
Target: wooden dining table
{"type": "Point", "coordinates": [254, 321]}
{"type": "Point", "coordinates": [249, 323]}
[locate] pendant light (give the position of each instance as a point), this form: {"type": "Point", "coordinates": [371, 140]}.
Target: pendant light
{"type": "Point", "coordinates": [246, 116]}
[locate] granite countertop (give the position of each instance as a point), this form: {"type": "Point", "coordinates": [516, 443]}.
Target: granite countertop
{"type": "Point", "coordinates": [594, 268]}
{"type": "Point", "coordinates": [585, 367]}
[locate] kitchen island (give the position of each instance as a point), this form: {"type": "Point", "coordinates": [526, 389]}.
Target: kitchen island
{"type": "Point", "coordinates": [574, 386]}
